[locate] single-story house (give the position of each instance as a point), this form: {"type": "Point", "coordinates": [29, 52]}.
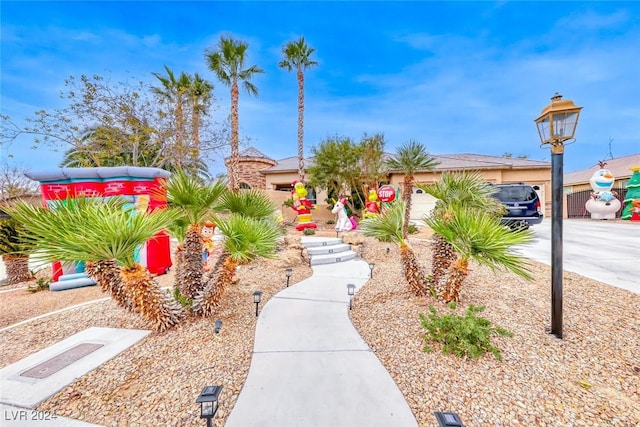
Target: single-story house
{"type": "Point", "coordinates": [256, 170]}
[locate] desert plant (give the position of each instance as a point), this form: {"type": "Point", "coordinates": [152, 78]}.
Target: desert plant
{"type": "Point", "coordinates": [466, 336]}
{"type": "Point", "coordinates": [480, 236]}
{"type": "Point", "coordinates": [105, 235]}
{"type": "Point", "coordinates": [389, 228]}
{"type": "Point", "coordinates": [41, 284]}
{"type": "Point", "coordinates": [15, 251]}
{"type": "Point", "coordinates": [309, 232]}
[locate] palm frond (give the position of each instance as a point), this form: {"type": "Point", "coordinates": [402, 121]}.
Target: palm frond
{"type": "Point", "coordinates": [480, 236]}
{"type": "Point", "coordinates": [89, 229]}
{"type": "Point", "coordinates": [387, 227]}
{"type": "Point", "coordinates": [247, 238]}
{"type": "Point", "coordinates": [193, 195]}
{"type": "Point", "coordinates": [251, 203]}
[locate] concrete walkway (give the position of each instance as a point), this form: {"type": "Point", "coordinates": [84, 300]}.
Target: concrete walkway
{"type": "Point", "coordinates": [310, 366]}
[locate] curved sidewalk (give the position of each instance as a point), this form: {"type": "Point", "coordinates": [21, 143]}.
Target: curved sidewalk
{"type": "Point", "coordinates": [310, 367]}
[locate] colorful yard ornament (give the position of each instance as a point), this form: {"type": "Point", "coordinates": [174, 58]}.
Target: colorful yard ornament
{"type": "Point", "coordinates": [206, 235]}
{"type": "Point", "coordinates": [632, 199]}
{"type": "Point", "coordinates": [343, 223]}
{"type": "Point", "coordinates": [303, 207]}
{"type": "Point", "coordinates": [372, 207]}
{"type": "Point", "coordinates": [603, 203]}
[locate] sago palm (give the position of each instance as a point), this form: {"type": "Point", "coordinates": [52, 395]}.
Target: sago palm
{"type": "Point", "coordinates": [195, 200]}
{"type": "Point", "coordinates": [245, 239]}
{"type": "Point", "coordinates": [105, 235]}
{"type": "Point", "coordinates": [409, 159]}
{"type": "Point", "coordinates": [15, 251]}
{"type": "Point", "coordinates": [479, 236]}
{"type": "Point", "coordinates": [467, 189]}
{"type": "Point", "coordinates": [388, 228]}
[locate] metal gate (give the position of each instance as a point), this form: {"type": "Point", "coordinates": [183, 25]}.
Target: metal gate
{"type": "Point", "coordinates": [577, 200]}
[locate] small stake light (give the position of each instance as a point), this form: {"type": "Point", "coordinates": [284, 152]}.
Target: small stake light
{"type": "Point", "coordinates": [208, 401]}
{"type": "Point", "coordinates": [217, 326]}
{"type": "Point", "coordinates": [448, 419]}
{"type": "Point", "coordinates": [371, 265]}
{"type": "Point", "coordinates": [257, 296]}
{"type": "Point", "coordinates": [288, 272]}
{"type": "Point", "coordinates": [351, 291]}
{"type": "Point", "coordinates": [361, 250]}
{"type": "Point", "coordinates": [388, 250]}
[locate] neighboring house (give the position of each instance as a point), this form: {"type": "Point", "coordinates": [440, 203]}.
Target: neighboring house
{"type": "Point", "coordinates": [276, 177]}
{"type": "Point", "coordinates": [578, 189]}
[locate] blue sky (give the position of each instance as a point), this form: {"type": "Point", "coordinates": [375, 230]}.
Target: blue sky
{"type": "Point", "coordinates": [456, 76]}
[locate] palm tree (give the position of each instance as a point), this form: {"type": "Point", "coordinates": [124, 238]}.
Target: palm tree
{"type": "Point", "coordinates": [199, 98]}
{"type": "Point", "coordinates": [410, 158]}
{"type": "Point", "coordinates": [388, 228]}
{"type": "Point", "coordinates": [464, 188]}
{"type": "Point", "coordinates": [15, 251]}
{"type": "Point", "coordinates": [297, 56]}
{"type": "Point", "coordinates": [194, 200]}
{"type": "Point", "coordinates": [245, 239]}
{"type": "Point", "coordinates": [174, 90]}
{"type": "Point", "coordinates": [105, 235]}
{"type": "Point", "coordinates": [479, 236]}
{"type": "Point", "coordinates": [227, 62]}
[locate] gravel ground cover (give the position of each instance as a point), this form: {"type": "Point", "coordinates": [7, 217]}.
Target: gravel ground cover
{"type": "Point", "coordinates": [589, 378]}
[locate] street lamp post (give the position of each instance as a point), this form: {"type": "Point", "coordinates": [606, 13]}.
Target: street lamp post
{"type": "Point", "coordinates": [557, 124]}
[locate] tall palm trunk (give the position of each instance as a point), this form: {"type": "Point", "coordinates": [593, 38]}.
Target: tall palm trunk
{"type": "Point", "coordinates": [149, 300]}
{"type": "Point", "coordinates": [443, 256]}
{"type": "Point", "coordinates": [189, 275]}
{"type": "Point", "coordinates": [233, 172]}
{"type": "Point", "coordinates": [406, 196]}
{"type": "Point", "coordinates": [300, 124]}
{"type": "Point", "coordinates": [107, 274]}
{"type": "Point", "coordinates": [195, 134]}
{"type": "Point", "coordinates": [458, 271]}
{"type": "Point", "coordinates": [207, 300]}
{"type": "Point", "coordinates": [413, 272]}
{"type": "Point", "coordinates": [17, 268]}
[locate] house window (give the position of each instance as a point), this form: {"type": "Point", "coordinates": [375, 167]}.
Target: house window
{"type": "Point", "coordinates": [245, 186]}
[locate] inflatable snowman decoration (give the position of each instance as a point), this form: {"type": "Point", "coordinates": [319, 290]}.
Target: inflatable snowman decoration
{"type": "Point", "coordinates": [603, 203]}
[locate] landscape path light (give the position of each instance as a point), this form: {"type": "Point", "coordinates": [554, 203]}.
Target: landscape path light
{"type": "Point", "coordinates": [448, 419]}
{"type": "Point", "coordinates": [208, 401]}
{"type": "Point", "coordinates": [288, 272]}
{"type": "Point", "coordinates": [257, 296]}
{"type": "Point", "coordinates": [217, 326]}
{"type": "Point", "coordinates": [371, 265]}
{"type": "Point", "coordinates": [351, 291]}
{"type": "Point", "coordinates": [557, 124]}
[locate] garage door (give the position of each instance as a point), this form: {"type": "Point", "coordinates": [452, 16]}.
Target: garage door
{"type": "Point", "coordinates": [421, 204]}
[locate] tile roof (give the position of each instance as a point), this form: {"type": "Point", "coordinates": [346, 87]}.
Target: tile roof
{"type": "Point", "coordinates": [620, 167]}
{"type": "Point", "coordinates": [447, 162]}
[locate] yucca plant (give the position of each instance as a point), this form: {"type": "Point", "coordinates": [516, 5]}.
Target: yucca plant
{"type": "Point", "coordinates": [245, 239]}
{"type": "Point", "coordinates": [479, 236]}
{"type": "Point", "coordinates": [389, 228]}
{"type": "Point", "coordinates": [15, 251]}
{"type": "Point", "coordinates": [195, 200]}
{"type": "Point", "coordinates": [467, 189]}
{"type": "Point", "coordinates": [105, 235]}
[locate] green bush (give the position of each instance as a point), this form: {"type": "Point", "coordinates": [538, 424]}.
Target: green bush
{"type": "Point", "coordinates": [330, 221]}
{"type": "Point", "coordinates": [413, 229]}
{"type": "Point", "coordinates": [465, 336]}
{"type": "Point", "coordinates": [309, 231]}
{"type": "Point", "coordinates": [42, 284]}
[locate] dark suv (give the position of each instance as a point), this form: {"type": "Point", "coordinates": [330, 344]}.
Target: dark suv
{"type": "Point", "coordinates": [522, 204]}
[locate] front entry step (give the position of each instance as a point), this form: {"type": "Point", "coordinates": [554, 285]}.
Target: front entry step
{"type": "Point", "coordinates": [327, 250]}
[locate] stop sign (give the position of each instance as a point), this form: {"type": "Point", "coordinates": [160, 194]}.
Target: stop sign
{"type": "Point", "coordinates": [387, 193]}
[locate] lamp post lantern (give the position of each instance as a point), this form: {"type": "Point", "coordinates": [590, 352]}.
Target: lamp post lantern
{"type": "Point", "coordinates": [208, 401]}
{"type": "Point", "coordinates": [288, 272]}
{"type": "Point", "coordinates": [257, 296]}
{"type": "Point", "coordinates": [557, 124]}
{"type": "Point", "coordinates": [371, 265]}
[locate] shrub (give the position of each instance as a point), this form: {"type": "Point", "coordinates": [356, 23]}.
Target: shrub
{"type": "Point", "coordinates": [413, 229]}
{"type": "Point", "coordinates": [330, 221]}
{"type": "Point", "coordinates": [465, 336]}
{"type": "Point", "coordinates": [41, 284]}
{"type": "Point", "coordinates": [309, 231]}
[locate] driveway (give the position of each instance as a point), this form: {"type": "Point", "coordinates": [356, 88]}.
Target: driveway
{"type": "Point", "coordinates": [607, 251]}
